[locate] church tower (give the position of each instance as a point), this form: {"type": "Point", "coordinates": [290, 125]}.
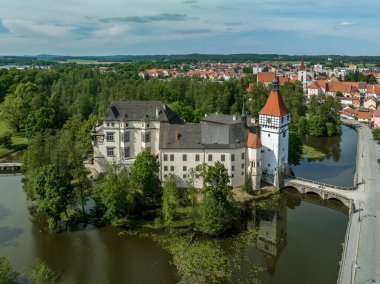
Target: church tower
{"type": "Point", "coordinates": [302, 76]}
{"type": "Point", "coordinates": [254, 159]}
{"type": "Point", "coordinates": [274, 119]}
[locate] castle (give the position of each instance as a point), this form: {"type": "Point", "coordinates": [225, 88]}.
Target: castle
{"type": "Point", "coordinates": [258, 151]}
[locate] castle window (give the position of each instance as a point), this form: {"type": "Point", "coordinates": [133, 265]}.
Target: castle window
{"type": "Point", "coordinates": [127, 152]}
{"type": "Point", "coordinates": [282, 119]}
{"type": "Point", "coordinates": [145, 137]}
{"type": "Point", "coordinates": [284, 134]}
{"type": "Point", "coordinates": [232, 168]}
{"type": "Point", "coordinates": [110, 137]}
{"type": "Point", "coordinates": [184, 175]}
{"type": "Point", "coordinates": [108, 124]}
{"type": "Point", "coordinates": [172, 168]}
{"type": "Point", "coordinates": [110, 151]}
{"type": "Point", "coordinates": [269, 120]}
{"type": "Point", "coordinates": [242, 166]}
{"type": "Point", "coordinates": [184, 157]}
{"type": "Point", "coordinates": [209, 157]}
{"type": "Point", "coordinates": [268, 165]}
{"type": "Point", "coordinates": [242, 173]}
{"type": "Point", "coordinates": [223, 157]}
{"type": "Point", "coordinates": [147, 125]}
{"type": "Point", "coordinates": [242, 156]}
{"type": "Point", "coordinates": [197, 157]}
{"type": "Point", "coordinates": [171, 157]}
{"type": "Point", "coordinates": [268, 134]}
{"type": "Point", "coordinates": [232, 175]}
{"type": "Point", "coordinates": [184, 168]}
{"type": "Point", "coordinates": [232, 158]}
{"type": "Point", "coordinates": [165, 157]}
{"type": "Point", "coordinates": [165, 168]}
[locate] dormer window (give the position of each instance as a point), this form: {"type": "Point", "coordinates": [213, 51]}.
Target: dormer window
{"type": "Point", "coordinates": [112, 124]}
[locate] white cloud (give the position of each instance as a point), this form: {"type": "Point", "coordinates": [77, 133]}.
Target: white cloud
{"type": "Point", "coordinates": [349, 23]}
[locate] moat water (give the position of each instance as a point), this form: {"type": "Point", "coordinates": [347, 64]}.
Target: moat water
{"type": "Point", "coordinates": [299, 241]}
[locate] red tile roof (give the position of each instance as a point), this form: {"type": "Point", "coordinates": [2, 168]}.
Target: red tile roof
{"type": "Point", "coordinates": [266, 77]}
{"type": "Point", "coordinates": [253, 141]}
{"type": "Point", "coordinates": [376, 113]}
{"type": "Point", "coordinates": [274, 105]}
{"type": "Point", "coordinates": [364, 115]}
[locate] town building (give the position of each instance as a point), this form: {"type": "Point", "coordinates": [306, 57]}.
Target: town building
{"type": "Point", "coordinates": [257, 151]}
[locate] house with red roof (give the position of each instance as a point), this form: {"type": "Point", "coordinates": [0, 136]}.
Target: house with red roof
{"type": "Point", "coordinates": [376, 118]}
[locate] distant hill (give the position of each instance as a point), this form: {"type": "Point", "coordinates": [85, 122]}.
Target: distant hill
{"type": "Point", "coordinates": [335, 60]}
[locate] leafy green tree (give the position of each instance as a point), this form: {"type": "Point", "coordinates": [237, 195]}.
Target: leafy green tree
{"type": "Point", "coordinates": [39, 120]}
{"type": "Point", "coordinates": [169, 199]}
{"type": "Point", "coordinates": [116, 194]}
{"type": "Point", "coordinates": [376, 134]}
{"type": "Point", "coordinates": [211, 216]}
{"type": "Point", "coordinates": [41, 273]}
{"type": "Point", "coordinates": [144, 172]}
{"type": "Point", "coordinates": [217, 211]}
{"type": "Point", "coordinates": [54, 193]}
{"type": "Point", "coordinates": [184, 111]}
{"type": "Point", "coordinates": [8, 275]}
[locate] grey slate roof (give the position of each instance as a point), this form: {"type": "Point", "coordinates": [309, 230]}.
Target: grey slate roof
{"type": "Point", "coordinates": [206, 135]}
{"type": "Point", "coordinates": [141, 110]}
{"type": "Point", "coordinates": [221, 118]}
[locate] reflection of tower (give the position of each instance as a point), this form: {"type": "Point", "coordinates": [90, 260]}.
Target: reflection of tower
{"type": "Point", "coordinates": [274, 119]}
{"type": "Point", "coordinates": [302, 76]}
{"type": "Point", "coordinates": [272, 224]}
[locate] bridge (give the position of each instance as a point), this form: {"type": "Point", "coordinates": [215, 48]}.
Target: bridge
{"type": "Point", "coordinates": [325, 191]}
{"type": "Point", "coordinates": [11, 166]}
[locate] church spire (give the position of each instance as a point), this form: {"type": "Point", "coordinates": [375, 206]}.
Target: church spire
{"type": "Point", "coordinates": [302, 67]}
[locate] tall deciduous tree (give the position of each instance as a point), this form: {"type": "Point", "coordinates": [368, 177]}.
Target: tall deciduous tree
{"type": "Point", "coordinates": [145, 173]}
{"type": "Point", "coordinates": [8, 275]}
{"type": "Point", "coordinates": [169, 199]}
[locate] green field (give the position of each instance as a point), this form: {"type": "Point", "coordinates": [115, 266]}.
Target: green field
{"type": "Point", "coordinates": [86, 61]}
{"type": "Point", "coordinates": [19, 141]}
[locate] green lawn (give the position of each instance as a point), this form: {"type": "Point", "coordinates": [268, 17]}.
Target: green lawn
{"type": "Point", "coordinates": [19, 140]}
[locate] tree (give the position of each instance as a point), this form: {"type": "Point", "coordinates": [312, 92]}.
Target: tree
{"type": "Point", "coordinates": [376, 134]}
{"type": "Point", "coordinates": [54, 193]}
{"type": "Point", "coordinates": [217, 211]}
{"type": "Point", "coordinates": [210, 217]}
{"type": "Point", "coordinates": [8, 275]}
{"type": "Point", "coordinates": [169, 199]}
{"type": "Point", "coordinates": [116, 194]}
{"type": "Point", "coordinates": [41, 273]}
{"type": "Point", "coordinates": [39, 120]}
{"type": "Point", "coordinates": [144, 172]}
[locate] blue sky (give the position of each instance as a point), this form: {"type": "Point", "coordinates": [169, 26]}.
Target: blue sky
{"type": "Point", "coordinates": [108, 27]}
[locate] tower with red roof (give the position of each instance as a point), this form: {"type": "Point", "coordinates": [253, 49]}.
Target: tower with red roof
{"type": "Point", "coordinates": [274, 119]}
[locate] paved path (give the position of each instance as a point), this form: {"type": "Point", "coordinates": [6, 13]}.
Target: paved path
{"type": "Point", "coordinates": [361, 256]}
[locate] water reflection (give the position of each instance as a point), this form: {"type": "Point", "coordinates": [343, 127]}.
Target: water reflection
{"type": "Point", "coordinates": [271, 224]}
{"type": "Point", "coordinates": [327, 145]}
{"type": "Point", "coordinates": [339, 165]}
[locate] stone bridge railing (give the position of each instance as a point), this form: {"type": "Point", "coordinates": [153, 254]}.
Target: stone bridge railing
{"type": "Point", "coordinates": [322, 189]}
{"type": "Point", "coordinates": [323, 185]}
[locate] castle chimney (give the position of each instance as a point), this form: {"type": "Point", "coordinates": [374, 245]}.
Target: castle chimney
{"type": "Point", "coordinates": [157, 112]}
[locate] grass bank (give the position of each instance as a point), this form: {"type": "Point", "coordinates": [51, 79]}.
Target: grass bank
{"type": "Point", "coordinates": [19, 141]}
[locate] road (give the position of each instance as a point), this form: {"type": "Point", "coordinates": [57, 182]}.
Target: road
{"type": "Point", "coordinates": [361, 256]}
